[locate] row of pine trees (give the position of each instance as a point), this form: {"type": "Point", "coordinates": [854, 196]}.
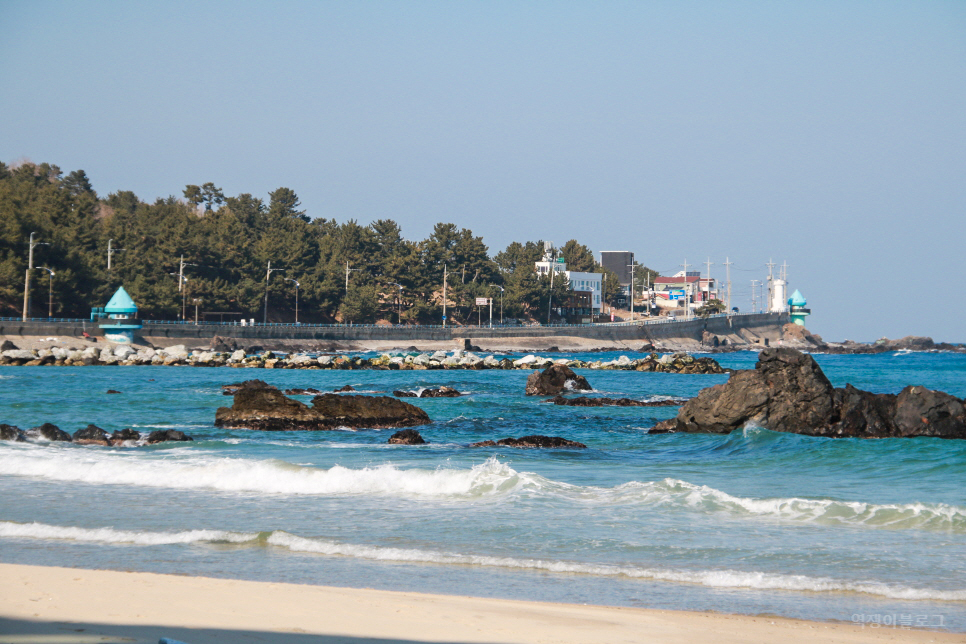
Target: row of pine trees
{"type": "Point", "coordinates": [228, 243]}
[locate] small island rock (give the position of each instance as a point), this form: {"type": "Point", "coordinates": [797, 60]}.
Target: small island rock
{"type": "Point", "coordinates": [92, 435]}
{"type": "Point", "coordinates": [406, 437]}
{"type": "Point", "coordinates": [555, 379]}
{"type": "Point", "coordinates": [535, 441]}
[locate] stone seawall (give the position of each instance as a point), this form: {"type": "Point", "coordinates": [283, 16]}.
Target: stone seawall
{"type": "Point", "coordinates": [740, 329]}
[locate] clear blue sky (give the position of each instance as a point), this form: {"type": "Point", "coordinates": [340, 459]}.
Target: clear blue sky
{"type": "Point", "coordinates": [828, 134]}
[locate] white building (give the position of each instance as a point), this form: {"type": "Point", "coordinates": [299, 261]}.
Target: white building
{"type": "Point", "coordinates": [591, 282]}
{"type": "Point", "coordinates": [588, 287]}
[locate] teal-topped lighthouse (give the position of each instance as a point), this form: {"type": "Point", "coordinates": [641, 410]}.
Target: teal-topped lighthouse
{"type": "Point", "coordinates": [121, 311]}
{"type": "Point", "coordinates": [796, 307]}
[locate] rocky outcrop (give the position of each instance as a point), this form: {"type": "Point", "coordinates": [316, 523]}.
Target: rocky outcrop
{"type": "Point", "coordinates": [92, 435]}
{"type": "Point", "coordinates": [258, 405]}
{"type": "Point", "coordinates": [344, 389]}
{"type": "Point", "coordinates": [11, 433]}
{"type": "Point", "coordinates": [555, 379]}
{"type": "Point", "coordinates": [165, 435]}
{"type": "Point", "coordinates": [787, 392]}
{"type": "Point", "coordinates": [48, 431]}
{"type": "Point", "coordinates": [535, 441]}
{"type": "Point", "coordinates": [406, 437]}
{"type": "Point", "coordinates": [310, 391]}
{"type": "Point", "coordinates": [584, 401]}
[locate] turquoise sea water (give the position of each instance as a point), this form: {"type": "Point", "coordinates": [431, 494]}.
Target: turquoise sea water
{"type": "Point", "coordinates": [753, 522]}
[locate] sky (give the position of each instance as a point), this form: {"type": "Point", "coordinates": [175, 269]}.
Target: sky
{"type": "Point", "coordinates": [828, 135]}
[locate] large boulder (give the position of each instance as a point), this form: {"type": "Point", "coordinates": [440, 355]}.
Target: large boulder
{"type": "Point", "coordinates": [49, 432]}
{"type": "Point", "coordinates": [260, 406]}
{"type": "Point", "coordinates": [787, 392]}
{"type": "Point", "coordinates": [11, 433]}
{"type": "Point", "coordinates": [555, 379]}
{"type": "Point", "coordinates": [923, 412]}
{"type": "Point", "coordinates": [92, 435]}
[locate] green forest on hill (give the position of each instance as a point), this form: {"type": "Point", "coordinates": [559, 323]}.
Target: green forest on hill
{"type": "Point", "coordinates": [229, 242]}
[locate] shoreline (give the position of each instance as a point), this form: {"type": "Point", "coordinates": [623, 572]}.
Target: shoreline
{"type": "Point", "coordinates": [82, 606]}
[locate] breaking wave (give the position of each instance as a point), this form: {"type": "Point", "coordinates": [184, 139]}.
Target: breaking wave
{"type": "Point", "coordinates": [489, 479]}
{"type": "Point", "coordinates": [711, 578]}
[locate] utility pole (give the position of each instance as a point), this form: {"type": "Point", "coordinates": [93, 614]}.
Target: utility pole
{"type": "Point", "coordinates": [687, 292]}
{"type": "Point", "coordinates": [445, 274]}
{"type": "Point", "coordinates": [501, 305]}
{"type": "Point", "coordinates": [111, 251]}
{"type": "Point", "coordinates": [347, 271]}
{"type": "Point", "coordinates": [268, 276]}
{"type": "Point", "coordinates": [30, 267]}
{"type": "Point", "coordinates": [709, 264]}
{"type": "Point", "coordinates": [181, 277]}
{"type": "Point", "coordinates": [754, 293]}
{"type": "Point", "coordinates": [633, 267]}
{"type": "Point", "coordinates": [50, 291]}
{"type": "Point", "coordinates": [553, 267]}
{"type": "Point", "coordinates": [727, 264]}
{"type": "Point", "coordinates": [491, 312]}
{"type": "Point", "coordinates": [771, 284]}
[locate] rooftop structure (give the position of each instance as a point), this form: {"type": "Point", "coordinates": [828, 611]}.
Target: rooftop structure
{"type": "Point", "coordinates": [121, 311]}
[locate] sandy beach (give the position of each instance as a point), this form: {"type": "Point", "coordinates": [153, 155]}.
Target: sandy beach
{"type": "Point", "coordinates": [69, 605]}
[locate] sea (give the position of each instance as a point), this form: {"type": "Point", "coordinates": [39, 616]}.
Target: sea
{"type": "Point", "coordinates": [754, 522]}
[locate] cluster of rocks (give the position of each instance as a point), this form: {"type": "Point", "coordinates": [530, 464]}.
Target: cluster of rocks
{"type": "Point", "coordinates": [179, 355]}
{"type": "Point", "coordinates": [90, 435]}
{"type": "Point", "coordinates": [258, 405]}
{"type": "Point", "coordinates": [586, 401]}
{"type": "Point", "coordinates": [788, 392]}
{"type": "Point", "coordinates": [555, 379]}
{"type": "Point", "coordinates": [532, 442]}
{"type": "Point", "coordinates": [441, 392]}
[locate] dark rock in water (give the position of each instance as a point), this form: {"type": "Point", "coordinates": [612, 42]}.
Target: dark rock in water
{"type": "Point", "coordinates": [50, 432]}
{"type": "Point", "coordinates": [113, 391]}
{"type": "Point", "coordinates": [664, 427]}
{"type": "Point", "coordinates": [344, 389]}
{"type": "Point", "coordinates": [223, 345]}
{"type": "Point", "coordinates": [787, 392]}
{"type": "Point", "coordinates": [263, 407]}
{"type": "Point", "coordinates": [302, 392]}
{"type": "Point", "coordinates": [405, 394]}
{"type": "Point", "coordinates": [232, 389]}
{"type": "Point", "coordinates": [442, 392]}
{"type": "Point", "coordinates": [164, 435]}
{"type": "Point", "coordinates": [924, 412]}
{"type": "Point", "coordinates": [584, 401]}
{"type": "Point", "coordinates": [534, 441]}
{"type": "Point", "coordinates": [92, 435]}
{"type": "Point", "coordinates": [122, 435]}
{"type": "Point", "coordinates": [253, 349]}
{"type": "Point", "coordinates": [7, 345]}
{"type": "Point", "coordinates": [406, 437]}
{"type": "Point", "coordinates": [555, 379]}
{"type": "Point", "coordinates": [11, 433]}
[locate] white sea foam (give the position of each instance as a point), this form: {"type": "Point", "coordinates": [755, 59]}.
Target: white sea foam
{"type": "Point", "coordinates": [491, 478]}
{"type": "Point", "coordinates": [10, 529]}
{"type": "Point", "coordinates": [260, 477]}
{"type": "Point", "coordinates": [711, 578]}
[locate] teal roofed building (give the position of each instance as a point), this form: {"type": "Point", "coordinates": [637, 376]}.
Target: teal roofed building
{"type": "Point", "coordinates": [121, 311]}
{"type": "Point", "coordinates": [796, 306]}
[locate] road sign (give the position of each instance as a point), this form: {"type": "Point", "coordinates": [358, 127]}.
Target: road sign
{"type": "Point", "coordinates": [482, 301]}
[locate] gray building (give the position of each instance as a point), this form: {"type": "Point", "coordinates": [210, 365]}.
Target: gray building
{"type": "Point", "coordinates": [620, 262]}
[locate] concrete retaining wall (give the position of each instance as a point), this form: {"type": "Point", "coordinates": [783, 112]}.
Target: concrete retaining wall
{"type": "Point", "coordinates": [767, 325]}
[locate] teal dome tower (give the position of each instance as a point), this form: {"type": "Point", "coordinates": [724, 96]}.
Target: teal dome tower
{"type": "Point", "coordinates": [796, 305]}
{"type": "Point", "coordinates": [122, 313]}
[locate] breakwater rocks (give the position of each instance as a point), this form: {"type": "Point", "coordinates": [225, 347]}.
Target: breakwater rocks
{"type": "Point", "coordinates": [788, 392]}
{"type": "Point", "coordinates": [90, 435]}
{"type": "Point", "coordinates": [258, 405]}
{"type": "Point", "coordinates": [125, 355]}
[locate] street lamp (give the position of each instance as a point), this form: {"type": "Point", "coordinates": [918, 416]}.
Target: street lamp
{"type": "Point", "coordinates": [268, 276]}
{"type": "Point", "coordinates": [398, 303]}
{"type": "Point", "coordinates": [30, 267]}
{"type": "Point", "coordinates": [50, 291]}
{"type": "Point", "coordinates": [296, 282]}
{"type": "Point", "coordinates": [183, 287]}
{"type": "Point", "coordinates": [501, 304]}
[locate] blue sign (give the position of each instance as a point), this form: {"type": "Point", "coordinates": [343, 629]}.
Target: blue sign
{"type": "Point", "coordinates": [675, 295]}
